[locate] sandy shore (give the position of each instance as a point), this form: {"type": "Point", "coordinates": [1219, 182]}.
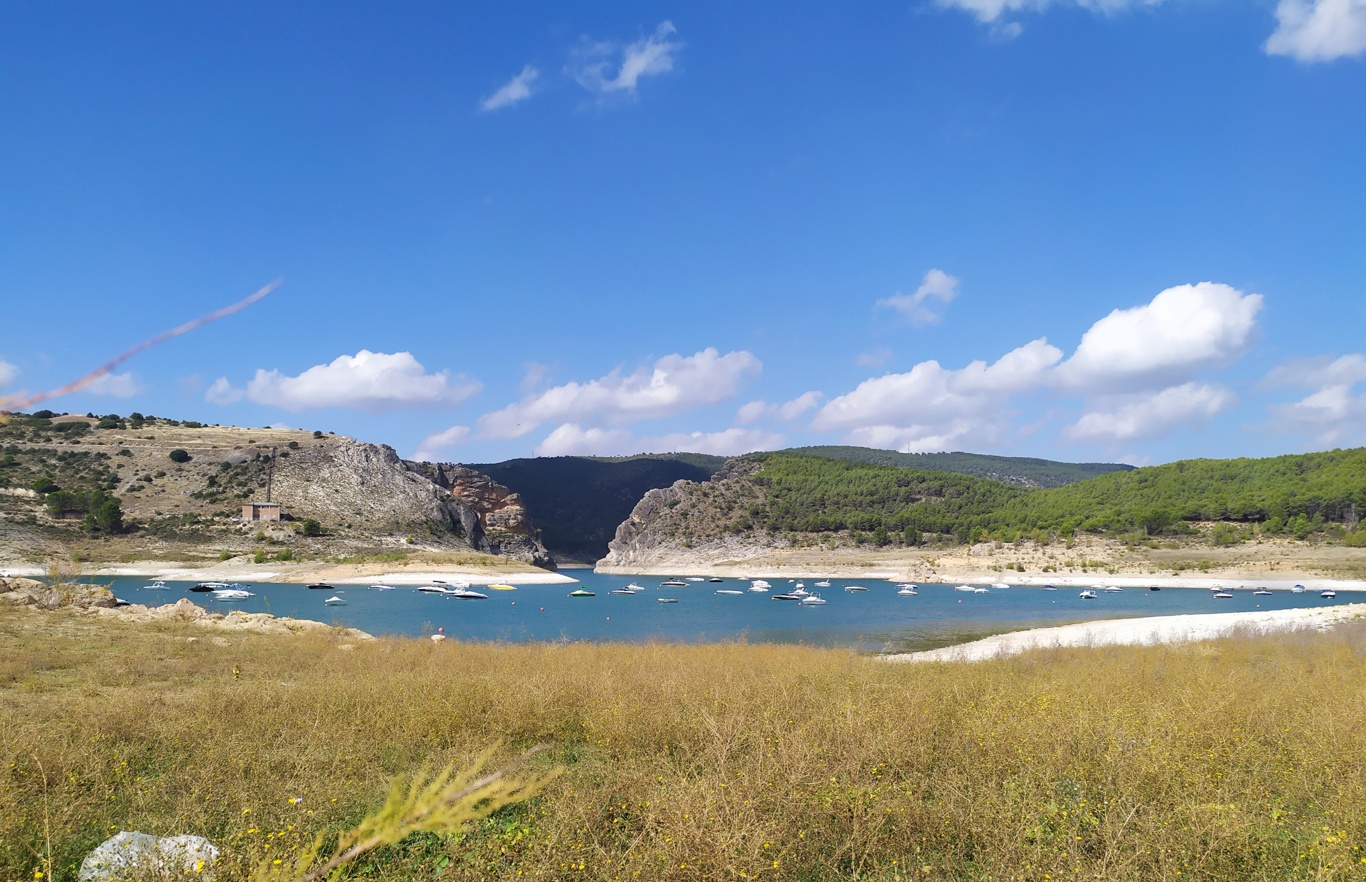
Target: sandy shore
{"type": "Point", "coordinates": [1146, 631]}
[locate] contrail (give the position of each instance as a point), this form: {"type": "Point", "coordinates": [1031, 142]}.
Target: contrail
{"type": "Point", "coordinates": [13, 404]}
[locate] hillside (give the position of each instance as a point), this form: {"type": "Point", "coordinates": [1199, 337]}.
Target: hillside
{"type": "Point", "coordinates": [764, 502]}
{"type": "Point", "coordinates": [579, 501]}
{"type": "Point", "coordinates": [116, 487]}
{"type": "Point", "coordinates": [1021, 471]}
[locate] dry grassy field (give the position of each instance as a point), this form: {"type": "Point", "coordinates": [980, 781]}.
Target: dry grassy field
{"type": "Point", "coordinates": [1229, 760]}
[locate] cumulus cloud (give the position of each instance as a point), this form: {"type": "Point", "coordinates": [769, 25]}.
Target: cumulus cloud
{"type": "Point", "coordinates": [993, 11]}
{"type": "Point", "coordinates": [730, 442]}
{"type": "Point", "coordinates": [1183, 329]}
{"type": "Point", "coordinates": [606, 68]}
{"type": "Point", "coordinates": [788, 410]}
{"type": "Point", "coordinates": [1333, 412]}
{"type": "Point", "coordinates": [1152, 415]}
{"type": "Point", "coordinates": [114, 385]}
{"type": "Point", "coordinates": [674, 384]}
{"type": "Point", "coordinates": [375, 382]}
{"type": "Point", "coordinates": [571, 439]}
{"type": "Point", "coordinates": [515, 90]}
{"type": "Point", "coordinates": [925, 306]}
{"type": "Point", "coordinates": [1318, 30]}
{"type": "Point", "coordinates": [430, 450]}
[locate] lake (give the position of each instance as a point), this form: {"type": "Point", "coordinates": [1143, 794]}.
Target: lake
{"type": "Point", "coordinates": [876, 620]}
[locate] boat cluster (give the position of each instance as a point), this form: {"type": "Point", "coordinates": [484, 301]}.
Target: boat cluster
{"type": "Point", "coordinates": [220, 590]}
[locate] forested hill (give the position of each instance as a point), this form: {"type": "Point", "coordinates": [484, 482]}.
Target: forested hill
{"type": "Point", "coordinates": [780, 496]}
{"type": "Point", "coordinates": [580, 500]}
{"type": "Point", "coordinates": [1021, 471]}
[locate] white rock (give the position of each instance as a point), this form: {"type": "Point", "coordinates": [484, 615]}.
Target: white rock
{"type": "Point", "coordinates": [132, 856]}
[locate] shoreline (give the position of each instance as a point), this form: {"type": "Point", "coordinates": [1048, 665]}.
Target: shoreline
{"type": "Point", "coordinates": [1147, 631]}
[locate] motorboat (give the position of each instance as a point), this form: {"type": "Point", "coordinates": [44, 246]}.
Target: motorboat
{"type": "Point", "coordinates": [1328, 594]}
{"type": "Point", "coordinates": [673, 583]}
{"type": "Point", "coordinates": [823, 583]}
{"type": "Point", "coordinates": [1113, 589]}
{"type": "Point", "coordinates": [1049, 588]}
{"type": "Point", "coordinates": [759, 584]}
{"type": "Point", "coordinates": [1298, 589]}
{"type": "Point", "coordinates": [716, 579]}
{"type": "Point", "coordinates": [626, 591]}
{"type": "Point", "coordinates": [231, 594]}
{"type": "Point", "coordinates": [382, 587]}
{"type": "Point", "coordinates": [1263, 592]}
{"type": "Point", "coordinates": [966, 589]}
{"type": "Point", "coordinates": [854, 588]}
{"type": "Point", "coordinates": [728, 591]}
{"type": "Point", "coordinates": [334, 600]}
{"type": "Point", "coordinates": [786, 597]}
{"type": "Point", "coordinates": [981, 590]}
{"type": "Point", "coordinates": [502, 587]}
{"type": "Point", "coordinates": [1087, 594]}
{"type": "Point", "coordinates": [907, 591]}
{"type": "Point", "coordinates": [206, 587]}
{"type": "Point", "coordinates": [756, 587]}
{"type": "Point", "coordinates": [666, 600]}
{"type": "Point", "coordinates": [812, 600]}
{"type": "Point", "coordinates": [1154, 587]}
{"type": "Point", "coordinates": [800, 591]}
{"type": "Point", "coordinates": [581, 592]}
{"type": "Point", "coordinates": [634, 588]}
{"type": "Point", "coordinates": [999, 586]}
{"type": "Point", "coordinates": [1222, 594]}
{"type": "Point", "coordinates": [321, 586]}
{"type": "Point", "coordinates": [466, 594]}
{"type": "Point", "coordinates": [158, 585]}
{"type": "Point", "coordinates": [428, 589]}
{"type": "Point", "coordinates": [696, 579]}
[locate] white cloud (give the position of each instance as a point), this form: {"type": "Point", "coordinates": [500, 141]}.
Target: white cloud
{"type": "Point", "coordinates": [1332, 412]}
{"type": "Point", "coordinates": [1153, 415]}
{"type": "Point", "coordinates": [114, 385]}
{"type": "Point", "coordinates": [224, 393]}
{"type": "Point", "coordinates": [731, 442]}
{"type": "Point", "coordinates": [431, 447]}
{"type": "Point", "coordinates": [789, 410]}
{"type": "Point", "coordinates": [952, 435]}
{"type": "Point", "coordinates": [7, 373]}
{"type": "Point", "coordinates": [513, 91]}
{"type": "Point", "coordinates": [1318, 30]}
{"type": "Point", "coordinates": [1182, 330]}
{"type": "Point", "coordinates": [375, 382]}
{"type": "Point", "coordinates": [571, 439]}
{"type": "Point", "coordinates": [989, 11]}
{"type": "Point", "coordinates": [596, 66]}
{"type": "Point", "coordinates": [674, 385]}
{"type": "Point", "coordinates": [876, 358]}
{"type": "Point", "coordinates": [929, 394]}
{"type": "Point", "coordinates": [924, 307]}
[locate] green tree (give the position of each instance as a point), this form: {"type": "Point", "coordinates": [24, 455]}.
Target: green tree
{"type": "Point", "coordinates": [179, 455]}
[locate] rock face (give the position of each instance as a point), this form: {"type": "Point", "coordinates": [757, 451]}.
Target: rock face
{"type": "Point", "coordinates": [503, 518]}
{"type": "Point", "coordinates": [30, 592]}
{"type": "Point", "coordinates": [367, 487]}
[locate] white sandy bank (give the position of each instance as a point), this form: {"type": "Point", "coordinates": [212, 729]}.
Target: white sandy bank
{"type": "Point", "coordinates": [1147, 631]}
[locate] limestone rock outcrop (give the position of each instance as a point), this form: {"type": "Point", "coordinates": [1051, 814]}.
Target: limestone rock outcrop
{"type": "Point", "coordinates": [31, 592]}
{"type": "Point", "coordinates": [502, 515]}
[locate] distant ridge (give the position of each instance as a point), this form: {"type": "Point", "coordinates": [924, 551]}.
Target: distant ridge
{"type": "Point", "coordinates": [1018, 470]}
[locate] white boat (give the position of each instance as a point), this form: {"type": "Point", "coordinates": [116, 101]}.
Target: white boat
{"type": "Point", "coordinates": [800, 591]}
{"type": "Point", "coordinates": [1221, 594]}
{"type": "Point", "coordinates": [1298, 589]}
{"type": "Point", "coordinates": [762, 589]}
{"type": "Point", "coordinates": [673, 583]}
{"type": "Point", "coordinates": [633, 587]}
{"type": "Point", "coordinates": [1000, 586]}
{"type": "Point", "coordinates": [854, 588]}
{"type": "Point", "coordinates": [432, 589]}
{"type": "Point", "coordinates": [1113, 589]}
{"type": "Point", "coordinates": [696, 579]}
{"type": "Point", "coordinates": [1049, 588]}
{"type": "Point", "coordinates": [232, 594]}
{"type": "Point", "coordinates": [980, 590]}
{"type": "Point", "coordinates": [728, 591]}
{"type": "Point", "coordinates": [1328, 594]}
{"type": "Point", "coordinates": [1087, 594]}
{"type": "Point", "coordinates": [666, 600]}
{"type": "Point", "coordinates": [581, 592]}
{"type": "Point", "coordinates": [158, 585]}
{"type": "Point", "coordinates": [206, 587]}
{"type": "Point", "coordinates": [334, 600]}
{"type": "Point", "coordinates": [906, 590]}
{"type": "Point", "coordinates": [966, 589]}
{"type": "Point", "coordinates": [812, 600]}
{"type": "Point", "coordinates": [1264, 592]}
{"type": "Point", "coordinates": [466, 594]}
{"type": "Point", "coordinates": [759, 584]}
{"type": "Point", "coordinates": [382, 587]}
{"type": "Point", "coordinates": [823, 583]}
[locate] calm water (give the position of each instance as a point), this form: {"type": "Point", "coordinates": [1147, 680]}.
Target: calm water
{"type": "Point", "coordinates": [877, 620]}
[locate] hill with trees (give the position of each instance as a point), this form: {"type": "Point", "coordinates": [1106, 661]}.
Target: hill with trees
{"type": "Point", "coordinates": [1022, 471]}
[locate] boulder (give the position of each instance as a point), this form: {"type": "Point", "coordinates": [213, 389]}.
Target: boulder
{"type": "Point", "coordinates": [129, 856]}
{"type": "Point", "coordinates": [75, 594]}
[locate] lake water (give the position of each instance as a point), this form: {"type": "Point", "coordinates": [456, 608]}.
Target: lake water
{"type": "Point", "coordinates": [876, 620]}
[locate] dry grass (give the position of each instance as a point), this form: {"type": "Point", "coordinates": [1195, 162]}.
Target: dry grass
{"type": "Point", "coordinates": [1227, 760]}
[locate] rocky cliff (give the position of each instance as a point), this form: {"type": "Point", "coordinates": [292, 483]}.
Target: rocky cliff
{"type": "Point", "coordinates": [503, 519]}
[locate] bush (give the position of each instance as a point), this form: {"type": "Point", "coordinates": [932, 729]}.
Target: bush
{"type": "Point", "coordinates": [259, 557]}
{"type": "Point", "coordinates": [310, 527]}
{"type": "Point", "coordinates": [44, 486]}
{"type": "Point", "coordinates": [284, 554]}
{"type": "Point", "coordinates": [179, 455]}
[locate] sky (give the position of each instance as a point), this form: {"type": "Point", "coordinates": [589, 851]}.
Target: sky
{"type": "Point", "coordinates": [1083, 230]}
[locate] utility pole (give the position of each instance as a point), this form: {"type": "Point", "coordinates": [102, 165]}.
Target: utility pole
{"type": "Point", "coordinates": [270, 473]}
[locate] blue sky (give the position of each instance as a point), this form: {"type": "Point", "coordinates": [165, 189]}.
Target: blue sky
{"type": "Point", "coordinates": [1077, 229]}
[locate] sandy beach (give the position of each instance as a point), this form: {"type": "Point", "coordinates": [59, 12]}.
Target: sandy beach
{"type": "Point", "coordinates": [1145, 631]}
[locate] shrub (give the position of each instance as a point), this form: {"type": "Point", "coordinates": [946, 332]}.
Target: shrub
{"type": "Point", "coordinates": [179, 455]}
{"type": "Point", "coordinates": [310, 527]}
{"type": "Point", "coordinates": [259, 557]}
